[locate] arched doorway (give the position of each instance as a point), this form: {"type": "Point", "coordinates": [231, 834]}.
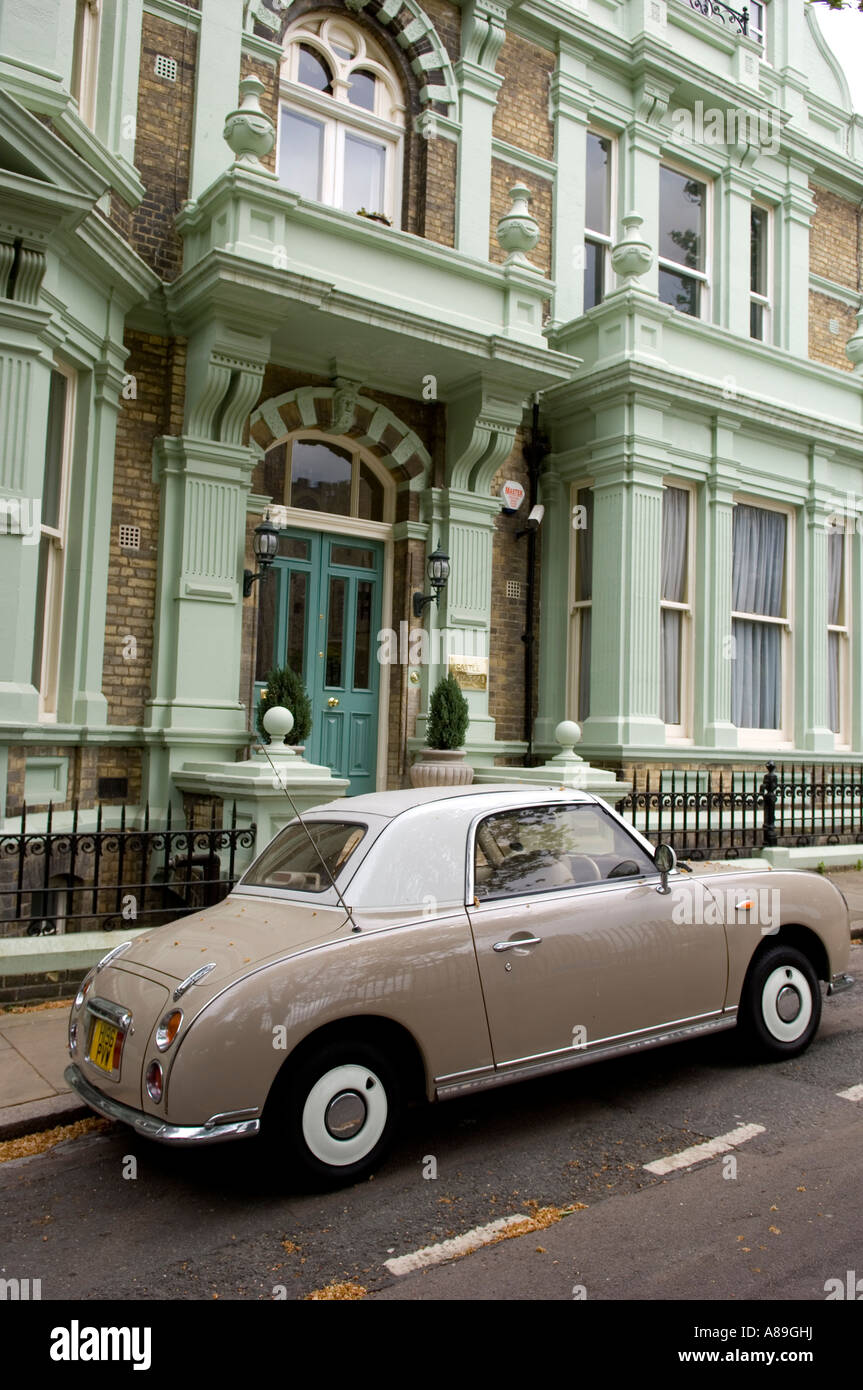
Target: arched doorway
{"type": "Point", "coordinates": [322, 607]}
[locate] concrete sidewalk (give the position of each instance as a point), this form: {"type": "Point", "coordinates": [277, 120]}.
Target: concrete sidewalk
{"type": "Point", "coordinates": [34, 1096]}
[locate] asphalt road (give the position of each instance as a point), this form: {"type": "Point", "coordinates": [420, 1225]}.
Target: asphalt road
{"type": "Point", "coordinates": [220, 1223]}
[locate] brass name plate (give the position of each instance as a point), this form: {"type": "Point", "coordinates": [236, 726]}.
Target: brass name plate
{"type": "Point", "coordinates": [471, 672]}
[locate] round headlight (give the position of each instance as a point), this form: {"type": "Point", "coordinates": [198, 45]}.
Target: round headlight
{"type": "Point", "coordinates": [84, 989]}
{"type": "Point", "coordinates": [168, 1029]}
{"type": "Point", "coordinates": [154, 1081]}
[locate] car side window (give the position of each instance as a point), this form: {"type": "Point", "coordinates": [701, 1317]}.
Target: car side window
{"type": "Point", "coordinates": [537, 849]}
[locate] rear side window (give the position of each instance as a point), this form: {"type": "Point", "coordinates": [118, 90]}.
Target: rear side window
{"type": "Point", "coordinates": [291, 861]}
{"type": "Point", "coordinates": [538, 849]}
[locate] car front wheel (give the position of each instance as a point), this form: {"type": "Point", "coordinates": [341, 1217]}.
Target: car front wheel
{"type": "Point", "coordinates": [781, 1005]}
{"type": "Point", "coordinates": [336, 1112]}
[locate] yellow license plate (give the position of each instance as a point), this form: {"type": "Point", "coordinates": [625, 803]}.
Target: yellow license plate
{"type": "Point", "coordinates": [103, 1044]}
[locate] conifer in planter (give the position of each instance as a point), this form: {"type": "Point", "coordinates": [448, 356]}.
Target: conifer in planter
{"type": "Point", "coordinates": [285, 687]}
{"type": "Point", "coordinates": [442, 763]}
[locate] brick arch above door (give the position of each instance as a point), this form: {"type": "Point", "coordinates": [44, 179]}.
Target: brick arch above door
{"type": "Point", "coordinates": [342, 410]}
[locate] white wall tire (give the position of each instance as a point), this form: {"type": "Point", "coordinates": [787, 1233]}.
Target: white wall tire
{"type": "Point", "coordinates": [786, 1003]}
{"type": "Point", "coordinates": [345, 1115]}
{"type": "Point", "coordinates": [780, 1008]}
{"type": "Point", "coordinates": [333, 1113]}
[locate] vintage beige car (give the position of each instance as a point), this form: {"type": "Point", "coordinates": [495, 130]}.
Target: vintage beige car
{"type": "Point", "coordinates": [427, 943]}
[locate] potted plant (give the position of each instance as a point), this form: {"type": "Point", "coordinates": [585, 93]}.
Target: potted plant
{"type": "Point", "coordinates": [442, 763]}
{"type": "Point", "coordinates": [285, 687]}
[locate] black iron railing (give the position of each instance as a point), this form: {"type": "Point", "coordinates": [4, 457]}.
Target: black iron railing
{"type": "Point", "coordinates": [715, 814]}
{"type": "Point", "coordinates": [110, 876]}
{"type": "Point", "coordinates": [738, 19]}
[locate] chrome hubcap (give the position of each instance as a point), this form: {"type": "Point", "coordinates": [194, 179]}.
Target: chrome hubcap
{"type": "Point", "coordinates": [345, 1115]}
{"type": "Point", "coordinates": [788, 1003]}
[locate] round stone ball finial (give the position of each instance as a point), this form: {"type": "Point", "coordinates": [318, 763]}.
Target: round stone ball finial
{"type": "Point", "coordinates": [567, 734]}
{"type": "Point", "coordinates": [278, 722]}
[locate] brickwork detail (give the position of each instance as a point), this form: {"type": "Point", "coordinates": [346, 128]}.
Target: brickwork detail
{"type": "Point", "coordinates": [86, 765]}
{"type": "Point", "coordinates": [441, 162]}
{"type": "Point", "coordinates": [163, 143]}
{"type": "Point", "coordinates": [834, 248]}
{"type": "Point", "coordinates": [825, 345]}
{"type": "Point", "coordinates": [509, 615]}
{"type": "Point", "coordinates": [521, 117]}
{"type": "Point", "coordinates": [158, 368]}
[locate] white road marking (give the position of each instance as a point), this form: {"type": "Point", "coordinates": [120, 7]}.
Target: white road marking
{"type": "Point", "coordinates": [853, 1093]}
{"type": "Point", "coordinates": [699, 1152]}
{"type": "Point", "coordinates": [449, 1249]}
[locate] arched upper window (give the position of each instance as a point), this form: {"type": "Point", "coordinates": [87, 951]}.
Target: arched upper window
{"type": "Point", "coordinates": [341, 124]}
{"type": "Point", "coordinates": [320, 473]}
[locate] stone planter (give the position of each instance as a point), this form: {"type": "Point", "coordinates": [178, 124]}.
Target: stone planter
{"type": "Point", "coordinates": [441, 767]}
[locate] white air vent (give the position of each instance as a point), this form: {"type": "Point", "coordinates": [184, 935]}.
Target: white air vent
{"type": "Point", "coordinates": [166, 67]}
{"type": "Point", "coordinates": [833, 326]}
{"type": "Point", "coordinates": [130, 538]}
{"type": "Point", "coordinates": [513, 588]}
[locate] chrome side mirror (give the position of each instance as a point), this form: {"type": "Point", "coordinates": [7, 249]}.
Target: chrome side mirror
{"type": "Point", "coordinates": [666, 861]}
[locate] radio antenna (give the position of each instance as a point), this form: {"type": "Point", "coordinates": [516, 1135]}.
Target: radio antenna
{"type": "Point", "coordinates": [277, 776]}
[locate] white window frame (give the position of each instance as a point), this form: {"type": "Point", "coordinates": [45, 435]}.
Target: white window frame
{"type": "Point", "coordinates": [765, 301]}
{"type": "Point", "coordinates": [682, 732]}
{"type": "Point", "coordinates": [677, 267]}
{"type": "Point", "coordinates": [577, 606]}
{"type": "Point", "coordinates": [842, 735]}
{"type": "Point", "coordinates": [783, 737]}
{"type": "Point", "coordinates": [52, 622]}
{"type": "Point", "coordinates": [339, 117]}
{"type": "Point", "coordinates": [85, 58]}
{"type": "Point", "coordinates": [600, 238]}
{"type": "Point", "coordinates": [756, 31]}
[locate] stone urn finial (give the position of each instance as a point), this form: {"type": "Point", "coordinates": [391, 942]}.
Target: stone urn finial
{"type": "Point", "coordinates": [249, 130]}
{"type": "Point", "coordinates": [632, 255]}
{"type": "Point", "coordinates": [854, 346]}
{"type": "Point", "coordinates": [517, 230]}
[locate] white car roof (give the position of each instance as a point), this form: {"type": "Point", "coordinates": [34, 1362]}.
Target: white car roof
{"type": "Point", "coordinates": [396, 803]}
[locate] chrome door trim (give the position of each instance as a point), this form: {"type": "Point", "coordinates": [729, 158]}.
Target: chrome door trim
{"type": "Point", "coordinates": [446, 1089]}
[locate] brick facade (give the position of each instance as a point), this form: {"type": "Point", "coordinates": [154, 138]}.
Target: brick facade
{"type": "Point", "coordinates": [521, 116]}
{"type": "Point", "coordinates": [836, 253]}
{"type": "Point", "coordinates": [157, 365]}
{"type": "Point", "coordinates": [163, 143]}
{"type": "Point", "coordinates": [508, 612]}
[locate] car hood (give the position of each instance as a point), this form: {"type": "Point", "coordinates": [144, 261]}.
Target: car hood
{"type": "Point", "coordinates": [236, 935]}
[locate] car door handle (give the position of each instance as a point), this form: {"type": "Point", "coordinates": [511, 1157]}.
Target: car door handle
{"type": "Point", "coordinates": [519, 941]}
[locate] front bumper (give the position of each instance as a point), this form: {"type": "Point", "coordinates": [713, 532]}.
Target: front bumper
{"type": "Point", "coordinates": [216, 1130]}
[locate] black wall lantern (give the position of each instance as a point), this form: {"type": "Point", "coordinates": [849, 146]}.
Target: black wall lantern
{"type": "Point", "coordinates": [266, 546]}
{"type": "Point", "coordinates": [437, 570]}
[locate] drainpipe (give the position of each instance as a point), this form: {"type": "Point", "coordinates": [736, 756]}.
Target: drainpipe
{"type": "Point", "coordinates": [535, 450]}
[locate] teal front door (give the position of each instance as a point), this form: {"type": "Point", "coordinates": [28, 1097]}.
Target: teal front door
{"type": "Point", "coordinates": [320, 612]}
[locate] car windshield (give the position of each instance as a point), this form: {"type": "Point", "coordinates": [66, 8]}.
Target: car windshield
{"type": "Point", "coordinates": [291, 861]}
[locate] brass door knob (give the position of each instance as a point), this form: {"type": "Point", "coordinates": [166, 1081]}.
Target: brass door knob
{"type": "Point", "coordinates": [332, 702]}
